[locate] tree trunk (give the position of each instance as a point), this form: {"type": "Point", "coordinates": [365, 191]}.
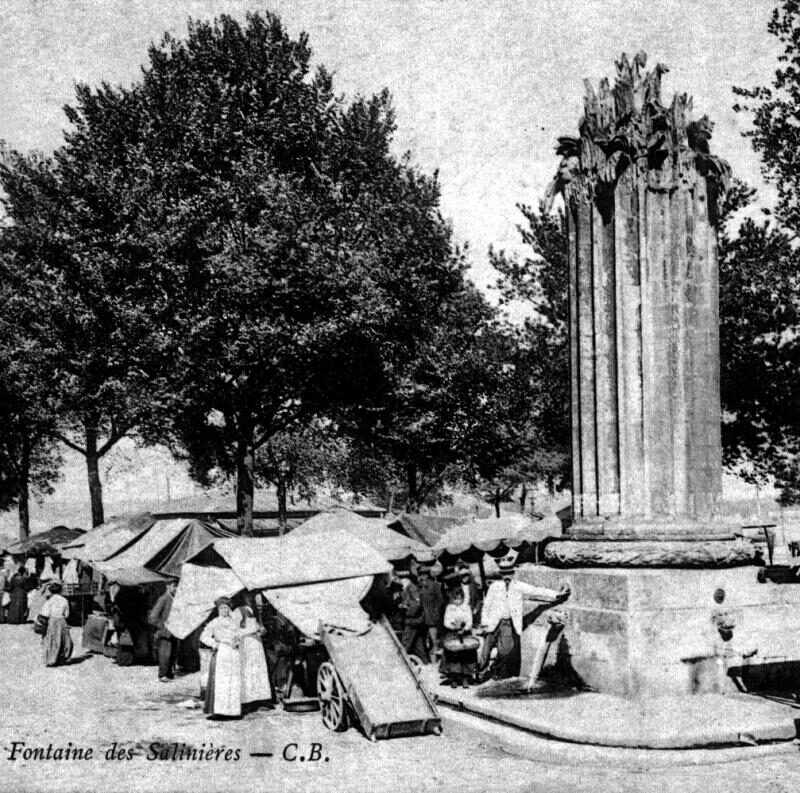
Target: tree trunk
{"type": "Point", "coordinates": [412, 504]}
{"type": "Point", "coordinates": [523, 496]}
{"type": "Point", "coordinates": [497, 503]}
{"type": "Point", "coordinates": [23, 492]}
{"type": "Point", "coordinates": [93, 474]}
{"type": "Point", "coordinates": [245, 459]}
{"type": "Point", "coordinates": [283, 515]}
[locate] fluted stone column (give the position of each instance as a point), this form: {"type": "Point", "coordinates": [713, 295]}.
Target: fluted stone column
{"type": "Point", "coordinates": [654, 571]}
{"type": "Point", "coordinates": [641, 193]}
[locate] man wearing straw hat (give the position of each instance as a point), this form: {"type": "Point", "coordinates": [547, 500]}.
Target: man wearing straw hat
{"type": "Point", "coordinates": [502, 617]}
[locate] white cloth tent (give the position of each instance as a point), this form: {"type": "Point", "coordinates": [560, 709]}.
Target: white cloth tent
{"type": "Point", "coordinates": [194, 600]}
{"type": "Point", "coordinates": [111, 537]}
{"type": "Point", "coordinates": [334, 603]}
{"type": "Point", "coordinates": [392, 545]}
{"type": "Point", "coordinates": [289, 561]}
{"type": "Point", "coordinates": [319, 578]}
{"type": "Point", "coordinates": [487, 536]}
{"type": "Point", "coordinates": [147, 545]}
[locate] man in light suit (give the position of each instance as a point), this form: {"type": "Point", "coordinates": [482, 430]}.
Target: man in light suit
{"type": "Point", "coordinates": [502, 615]}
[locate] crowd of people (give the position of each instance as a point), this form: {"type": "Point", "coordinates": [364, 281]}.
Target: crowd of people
{"type": "Point", "coordinates": [16, 581]}
{"type": "Point", "coordinates": [252, 652]}
{"type": "Point", "coordinates": [449, 620]}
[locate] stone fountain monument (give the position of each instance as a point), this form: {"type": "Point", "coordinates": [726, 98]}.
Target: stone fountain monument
{"type": "Point", "coordinates": [665, 595]}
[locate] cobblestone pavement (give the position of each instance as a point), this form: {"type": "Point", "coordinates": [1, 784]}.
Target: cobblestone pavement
{"type": "Point", "coordinates": [93, 704]}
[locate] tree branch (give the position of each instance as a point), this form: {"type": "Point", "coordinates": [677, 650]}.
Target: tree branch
{"type": "Point", "coordinates": [67, 442]}
{"type": "Point", "coordinates": [115, 435]}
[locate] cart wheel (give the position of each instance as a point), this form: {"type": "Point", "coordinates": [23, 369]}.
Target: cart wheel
{"type": "Point", "coordinates": [331, 698]}
{"type": "Point", "coordinates": [416, 664]}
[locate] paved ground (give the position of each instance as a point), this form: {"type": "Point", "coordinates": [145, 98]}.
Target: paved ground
{"type": "Point", "coordinates": [94, 704]}
{"type": "Point", "coordinates": [657, 723]}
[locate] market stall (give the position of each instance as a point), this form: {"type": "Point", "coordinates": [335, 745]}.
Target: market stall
{"type": "Point", "coordinates": [317, 581]}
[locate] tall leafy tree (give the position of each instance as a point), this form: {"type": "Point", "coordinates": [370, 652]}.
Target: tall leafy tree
{"type": "Point", "coordinates": [539, 282]}
{"type": "Point", "coordinates": [29, 459]}
{"type": "Point", "coordinates": [300, 460]}
{"type": "Point", "coordinates": [760, 358]}
{"type": "Point", "coordinates": [760, 289]}
{"type": "Point", "coordinates": [98, 314]}
{"type": "Point", "coordinates": [775, 134]}
{"type": "Point", "coordinates": [433, 421]}
{"type": "Point", "coordinates": [288, 261]}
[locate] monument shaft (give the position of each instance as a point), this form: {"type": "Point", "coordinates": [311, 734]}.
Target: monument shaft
{"type": "Point", "coordinates": [644, 349]}
{"type": "Point", "coordinates": [641, 192]}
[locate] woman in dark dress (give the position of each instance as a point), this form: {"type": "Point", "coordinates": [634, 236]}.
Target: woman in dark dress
{"type": "Point", "coordinates": [18, 605]}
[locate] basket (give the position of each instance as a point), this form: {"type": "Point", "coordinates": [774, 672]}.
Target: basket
{"type": "Point", "coordinates": [457, 644]}
{"type": "Point", "coordinates": [301, 705]}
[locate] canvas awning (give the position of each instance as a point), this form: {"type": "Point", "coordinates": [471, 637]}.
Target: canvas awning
{"type": "Point", "coordinates": [392, 545]}
{"type": "Point", "coordinates": [494, 536]}
{"type": "Point", "coordinates": [111, 537]}
{"type": "Point", "coordinates": [165, 546]}
{"type": "Point", "coordinates": [231, 565]}
{"type": "Point", "coordinates": [194, 600]}
{"type": "Point", "coordinates": [428, 529]}
{"type": "Point", "coordinates": [133, 576]}
{"type": "Point", "coordinates": [46, 542]}
{"type": "Point", "coordinates": [334, 603]}
{"type": "Point", "coordinates": [290, 561]}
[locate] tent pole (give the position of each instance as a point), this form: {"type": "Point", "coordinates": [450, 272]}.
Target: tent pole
{"type": "Point", "coordinates": [483, 572]}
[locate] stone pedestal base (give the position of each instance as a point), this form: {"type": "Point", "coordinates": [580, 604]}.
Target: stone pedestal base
{"type": "Point", "coordinates": [651, 632]}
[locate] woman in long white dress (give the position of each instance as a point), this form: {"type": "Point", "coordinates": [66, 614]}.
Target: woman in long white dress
{"type": "Point", "coordinates": [57, 642]}
{"type": "Point", "coordinates": [256, 690]}
{"type": "Point", "coordinates": [223, 636]}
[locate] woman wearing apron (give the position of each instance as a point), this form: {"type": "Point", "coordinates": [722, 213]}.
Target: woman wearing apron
{"type": "Point", "coordinates": [223, 636]}
{"type": "Point", "coordinates": [256, 690]}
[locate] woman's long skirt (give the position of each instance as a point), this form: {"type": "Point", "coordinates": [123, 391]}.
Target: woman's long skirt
{"type": "Point", "coordinates": [18, 607]}
{"type": "Point", "coordinates": [459, 664]}
{"type": "Point", "coordinates": [57, 642]}
{"type": "Point", "coordinates": [255, 674]}
{"type": "Point", "coordinates": [224, 689]}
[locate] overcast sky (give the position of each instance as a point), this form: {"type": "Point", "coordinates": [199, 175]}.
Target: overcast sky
{"type": "Point", "coordinates": [482, 89]}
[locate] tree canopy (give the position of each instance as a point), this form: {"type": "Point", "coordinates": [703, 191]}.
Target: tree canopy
{"type": "Point", "coordinates": [232, 250]}
{"type": "Point", "coordinates": [760, 286]}
{"type": "Point", "coordinates": [539, 281]}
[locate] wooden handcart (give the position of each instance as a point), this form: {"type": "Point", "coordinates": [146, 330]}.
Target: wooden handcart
{"type": "Point", "coordinates": [370, 678]}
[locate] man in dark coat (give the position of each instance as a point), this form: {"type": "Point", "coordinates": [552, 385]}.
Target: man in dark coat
{"type": "Point", "coordinates": [472, 594]}
{"type": "Point", "coordinates": [127, 611]}
{"type": "Point", "coordinates": [414, 630]}
{"type": "Point", "coordinates": [432, 599]}
{"type": "Point", "coordinates": [18, 605]}
{"type": "Point", "coordinates": [166, 643]}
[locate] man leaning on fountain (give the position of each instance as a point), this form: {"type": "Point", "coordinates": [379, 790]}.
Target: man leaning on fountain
{"type": "Point", "coordinates": [502, 618]}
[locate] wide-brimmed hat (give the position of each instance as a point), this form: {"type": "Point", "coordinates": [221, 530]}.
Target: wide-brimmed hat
{"type": "Point", "coordinates": [506, 566]}
{"type": "Point", "coordinates": [452, 579]}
